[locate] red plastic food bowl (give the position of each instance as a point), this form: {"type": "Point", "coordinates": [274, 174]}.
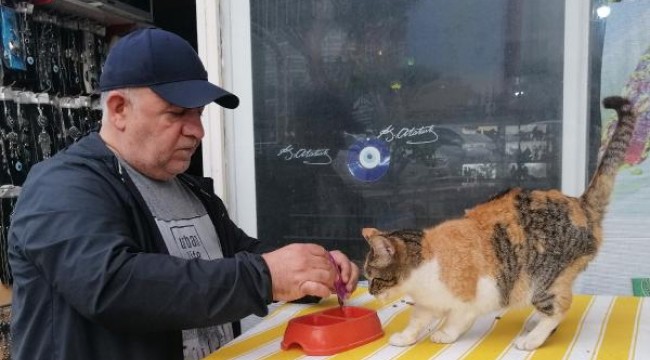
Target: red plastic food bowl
{"type": "Point", "coordinates": [333, 330]}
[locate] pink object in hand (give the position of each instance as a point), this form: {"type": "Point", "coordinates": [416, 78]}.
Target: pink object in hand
{"type": "Point", "coordinates": [339, 285]}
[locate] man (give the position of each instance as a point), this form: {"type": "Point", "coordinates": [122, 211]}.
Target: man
{"type": "Point", "coordinates": [116, 254]}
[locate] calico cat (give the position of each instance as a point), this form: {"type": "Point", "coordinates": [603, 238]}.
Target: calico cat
{"type": "Point", "coordinates": [522, 247]}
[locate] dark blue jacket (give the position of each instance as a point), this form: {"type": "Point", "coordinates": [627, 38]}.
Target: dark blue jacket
{"type": "Point", "coordinates": [92, 277]}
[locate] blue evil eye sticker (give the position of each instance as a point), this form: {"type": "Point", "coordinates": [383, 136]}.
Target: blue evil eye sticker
{"type": "Point", "coordinates": [369, 159]}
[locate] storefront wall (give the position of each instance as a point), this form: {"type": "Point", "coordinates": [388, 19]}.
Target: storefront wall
{"type": "Point", "coordinates": [402, 114]}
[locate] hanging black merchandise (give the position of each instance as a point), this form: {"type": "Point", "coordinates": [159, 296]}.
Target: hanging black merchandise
{"type": "Point", "coordinates": [49, 76]}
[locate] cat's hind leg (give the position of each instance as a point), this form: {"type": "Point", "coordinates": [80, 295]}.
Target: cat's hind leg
{"type": "Point", "coordinates": [552, 308]}
{"type": "Point", "coordinates": [457, 322]}
{"type": "Point", "coordinates": [536, 337]}
{"type": "Point", "coordinates": [421, 317]}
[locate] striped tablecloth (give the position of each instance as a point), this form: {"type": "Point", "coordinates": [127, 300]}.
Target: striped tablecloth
{"type": "Point", "coordinates": [597, 327]}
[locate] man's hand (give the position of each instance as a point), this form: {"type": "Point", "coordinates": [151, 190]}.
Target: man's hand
{"type": "Point", "coordinates": [349, 270]}
{"type": "Point", "coordinates": [298, 270]}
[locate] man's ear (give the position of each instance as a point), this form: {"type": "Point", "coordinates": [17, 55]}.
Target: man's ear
{"type": "Point", "coordinates": [117, 106]}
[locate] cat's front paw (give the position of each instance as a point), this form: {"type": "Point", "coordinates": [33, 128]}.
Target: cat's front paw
{"type": "Point", "coordinates": [442, 337]}
{"type": "Point", "coordinates": [402, 339]}
{"type": "Point", "coordinates": [528, 343]}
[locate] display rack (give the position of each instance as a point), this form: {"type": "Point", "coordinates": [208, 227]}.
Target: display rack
{"type": "Point", "coordinates": [107, 12]}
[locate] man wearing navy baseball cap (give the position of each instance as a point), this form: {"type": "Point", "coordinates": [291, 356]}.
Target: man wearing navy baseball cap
{"type": "Point", "coordinates": [116, 253]}
{"type": "Point", "coordinates": [165, 63]}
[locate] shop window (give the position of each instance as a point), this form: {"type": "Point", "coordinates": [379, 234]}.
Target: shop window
{"type": "Point", "coordinates": [620, 64]}
{"type": "Point", "coordinates": [399, 114]}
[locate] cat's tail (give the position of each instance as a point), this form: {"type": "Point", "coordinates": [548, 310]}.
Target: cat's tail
{"type": "Point", "coordinates": [597, 194]}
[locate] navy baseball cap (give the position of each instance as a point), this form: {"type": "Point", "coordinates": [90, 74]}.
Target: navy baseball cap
{"type": "Point", "coordinates": [165, 63]}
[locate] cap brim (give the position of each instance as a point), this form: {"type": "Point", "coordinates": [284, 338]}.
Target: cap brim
{"type": "Point", "coordinates": [195, 93]}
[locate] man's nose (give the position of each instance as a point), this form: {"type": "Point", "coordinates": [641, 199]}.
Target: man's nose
{"type": "Point", "coordinates": [194, 126]}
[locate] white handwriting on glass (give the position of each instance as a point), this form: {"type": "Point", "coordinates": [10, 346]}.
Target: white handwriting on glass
{"type": "Point", "coordinates": [428, 132]}
{"type": "Point", "coordinates": [309, 156]}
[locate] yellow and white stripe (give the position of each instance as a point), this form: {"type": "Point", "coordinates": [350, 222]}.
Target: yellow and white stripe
{"type": "Point", "coordinates": [642, 344]}
{"type": "Point", "coordinates": [596, 328]}
{"type": "Point", "coordinates": [616, 339]}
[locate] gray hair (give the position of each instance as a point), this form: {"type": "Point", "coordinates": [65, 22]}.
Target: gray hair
{"type": "Point", "coordinates": [103, 97]}
{"type": "Point", "coordinates": [102, 104]}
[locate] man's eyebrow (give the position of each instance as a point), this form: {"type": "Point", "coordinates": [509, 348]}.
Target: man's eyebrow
{"type": "Point", "coordinates": [173, 107]}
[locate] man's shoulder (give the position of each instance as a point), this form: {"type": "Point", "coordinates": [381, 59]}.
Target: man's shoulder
{"type": "Point", "coordinates": [77, 166]}
{"type": "Point", "coordinates": [67, 164]}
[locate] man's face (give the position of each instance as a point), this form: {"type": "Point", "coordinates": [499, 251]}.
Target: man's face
{"type": "Point", "coordinates": [160, 137]}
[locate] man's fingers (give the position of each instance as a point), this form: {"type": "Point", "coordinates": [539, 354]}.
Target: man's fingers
{"type": "Point", "coordinates": [314, 249]}
{"type": "Point", "coordinates": [315, 289]}
{"type": "Point", "coordinates": [349, 270]}
{"type": "Point", "coordinates": [323, 276]}
{"type": "Point", "coordinates": [315, 256]}
{"type": "Point", "coordinates": [306, 269]}
{"type": "Point", "coordinates": [345, 265]}
{"type": "Point", "coordinates": [354, 278]}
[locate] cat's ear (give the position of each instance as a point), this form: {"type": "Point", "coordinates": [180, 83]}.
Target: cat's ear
{"type": "Point", "coordinates": [381, 246]}
{"type": "Point", "coordinates": [369, 233]}
{"type": "Point", "coordinates": [383, 249]}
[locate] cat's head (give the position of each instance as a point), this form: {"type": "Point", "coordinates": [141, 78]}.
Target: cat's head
{"type": "Point", "coordinates": [384, 267]}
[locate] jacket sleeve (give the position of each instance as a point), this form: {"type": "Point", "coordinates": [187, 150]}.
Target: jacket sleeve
{"type": "Point", "coordinates": [81, 234]}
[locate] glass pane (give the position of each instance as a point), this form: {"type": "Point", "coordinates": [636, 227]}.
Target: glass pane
{"type": "Point", "coordinates": [399, 113]}
{"type": "Point", "coordinates": [620, 65]}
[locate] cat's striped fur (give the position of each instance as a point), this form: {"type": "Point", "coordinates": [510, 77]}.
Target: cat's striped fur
{"type": "Point", "coordinates": [521, 247]}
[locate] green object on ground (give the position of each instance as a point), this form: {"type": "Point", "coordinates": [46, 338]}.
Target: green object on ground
{"type": "Point", "coordinates": [641, 286]}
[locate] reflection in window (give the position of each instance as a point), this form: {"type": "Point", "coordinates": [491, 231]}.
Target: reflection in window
{"type": "Point", "coordinates": [399, 113]}
{"type": "Point", "coordinates": [620, 65]}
